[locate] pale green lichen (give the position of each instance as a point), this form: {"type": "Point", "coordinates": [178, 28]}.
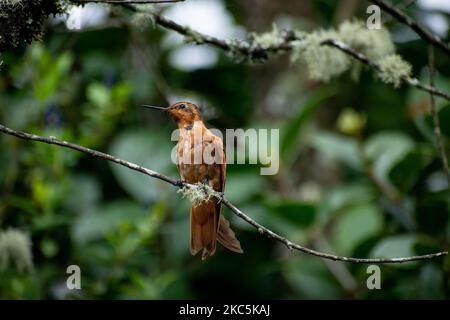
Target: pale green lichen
{"type": "Point", "coordinates": [15, 248]}
{"type": "Point", "coordinates": [373, 43]}
{"type": "Point", "coordinates": [140, 20]}
{"type": "Point", "coordinates": [199, 193]}
{"type": "Point", "coordinates": [267, 39]}
{"type": "Point", "coordinates": [145, 7]}
{"type": "Point", "coordinates": [394, 69]}
{"type": "Point", "coordinates": [234, 51]}
{"type": "Point", "coordinates": [193, 36]}
{"type": "Point", "coordinates": [144, 13]}
{"type": "Point", "coordinates": [260, 46]}
{"type": "Point", "coordinates": [322, 62]}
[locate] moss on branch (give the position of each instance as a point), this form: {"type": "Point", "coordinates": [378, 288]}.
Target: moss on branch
{"type": "Point", "coordinates": [22, 21]}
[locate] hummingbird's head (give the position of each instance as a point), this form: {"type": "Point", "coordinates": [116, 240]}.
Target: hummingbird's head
{"type": "Point", "coordinates": [184, 113]}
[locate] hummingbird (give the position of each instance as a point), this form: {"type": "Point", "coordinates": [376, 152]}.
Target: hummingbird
{"type": "Point", "coordinates": [207, 224]}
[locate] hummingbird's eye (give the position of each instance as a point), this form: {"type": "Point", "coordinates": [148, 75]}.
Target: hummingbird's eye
{"type": "Point", "coordinates": [182, 106]}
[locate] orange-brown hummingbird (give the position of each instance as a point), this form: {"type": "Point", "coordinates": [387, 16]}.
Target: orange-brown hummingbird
{"type": "Point", "coordinates": [195, 143]}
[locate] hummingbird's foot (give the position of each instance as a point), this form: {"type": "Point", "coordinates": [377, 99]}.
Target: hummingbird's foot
{"type": "Point", "coordinates": [180, 183]}
{"type": "Point", "coordinates": [206, 181]}
{"type": "Point", "coordinates": [220, 196]}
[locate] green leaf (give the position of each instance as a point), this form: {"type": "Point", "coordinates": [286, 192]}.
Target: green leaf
{"type": "Point", "coordinates": [50, 77]}
{"type": "Point", "coordinates": [310, 278]}
{"type": "Point", "coordinates": [98, 94]}
{"type": "Point", "coordinates": [405, 174]}
{"type": "Point", "coordinates": [294, 127]}
{"type": "Point", "coordinates": [267, 218]}
{"type": "Point", "coordinates": [242, 186]}
{"type": "Point", "coordinates": [338, 148]}
{"type": "Point", "coordinates": [298, 213]}
{"type": "Point", "coordinates": [395, 247]}
{"type": "Point", "coordinates": [107, 219]}
{"type": "Point", "coordinates": [149, 149]}
{"type": "Point", "coordinates": [84, 194]}
{"type": "Point", "coordinates": [444, 121]}
{"type": "Point", "coordinates": [385, 149]}
{"type": "Point", "coordinates": [346, 196]}
{"type": "Point", "coordinates": [355, 226]}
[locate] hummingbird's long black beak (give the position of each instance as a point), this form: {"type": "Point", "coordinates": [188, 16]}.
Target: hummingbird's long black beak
{"type": "Point", "coordinates": [154, 107]}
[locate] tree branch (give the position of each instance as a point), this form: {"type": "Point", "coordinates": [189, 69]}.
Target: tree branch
{"type": "Point", "coordinates": [243, 48]}
{"type": "Point", "coordinates": [401, 6]}
{"type": "Point", "coordinates": [252, 51]}
{"type": "Point", "coordinates": [288, 37]}
{"type": "Point", "coordinates": [362, 58]}
{"type": "Point", "coordinates": [419, 29]}
{"type": "Point", "coordinates": [435, 116]}
{"type": "Point", "coordinates": [263, 230]}
{"type": "Point", "coordinates": [94, 153]}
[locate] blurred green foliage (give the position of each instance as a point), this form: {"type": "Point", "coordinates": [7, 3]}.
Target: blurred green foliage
{"type": "Point", "coordinates": [378, 193]}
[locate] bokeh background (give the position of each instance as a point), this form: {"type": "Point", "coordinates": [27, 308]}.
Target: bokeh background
{"type": "Point", "coordinates": [378, 193]}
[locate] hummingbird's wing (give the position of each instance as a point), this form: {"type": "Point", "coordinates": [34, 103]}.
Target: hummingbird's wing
{"type": "Point", "coordinates": [205, 217]}
{"type": "Point", "coordinates": [219, 171]}
{"type": "Point", "coordinates": [207, 224]}
{"type": "Point", "coordinates": [225, 235]}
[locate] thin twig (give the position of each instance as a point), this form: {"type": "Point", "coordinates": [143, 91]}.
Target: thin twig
{"type": "Point", "coordinates": [291, 245]}
{"type": "Point", "coordinates": [419, 29]}
{"type": "Point", "coordinates": [242, 47]}
{"type": "Point", "coordinates": [94, 153]}
{"type": "Point", "coordinates": [352, 52]}
{"type": "Point", "coordinates": [185, 31]}
{"type": "Point", "coordinates": [263, 230]}
{"type": "Point", "coordinates": [362, 58]}
{"type": "Point", "coordinates": [402, 6]}
{"type": "Point", "coordinates": [435, 116]}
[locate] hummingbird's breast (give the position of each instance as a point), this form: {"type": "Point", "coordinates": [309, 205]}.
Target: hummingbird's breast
{"type": "Point", "coordinates": [199, 156]}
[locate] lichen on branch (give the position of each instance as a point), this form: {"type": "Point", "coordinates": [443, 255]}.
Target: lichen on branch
{"type": "Point", "coordinates": [268, 39]}
{"type": "Point", "coordinates": [393, 69]}
{"type": "Point", "coordinates": [22, 21]}
{"type": "Point", "coordinates": [199, 193]}
{"type": "Point", "coordinates": [324, 62]}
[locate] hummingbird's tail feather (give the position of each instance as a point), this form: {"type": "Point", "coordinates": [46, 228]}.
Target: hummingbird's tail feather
{"type": "Point", "coordinates": [227, 237]}
{"type": "Point", "coordinates": [204, 229]}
